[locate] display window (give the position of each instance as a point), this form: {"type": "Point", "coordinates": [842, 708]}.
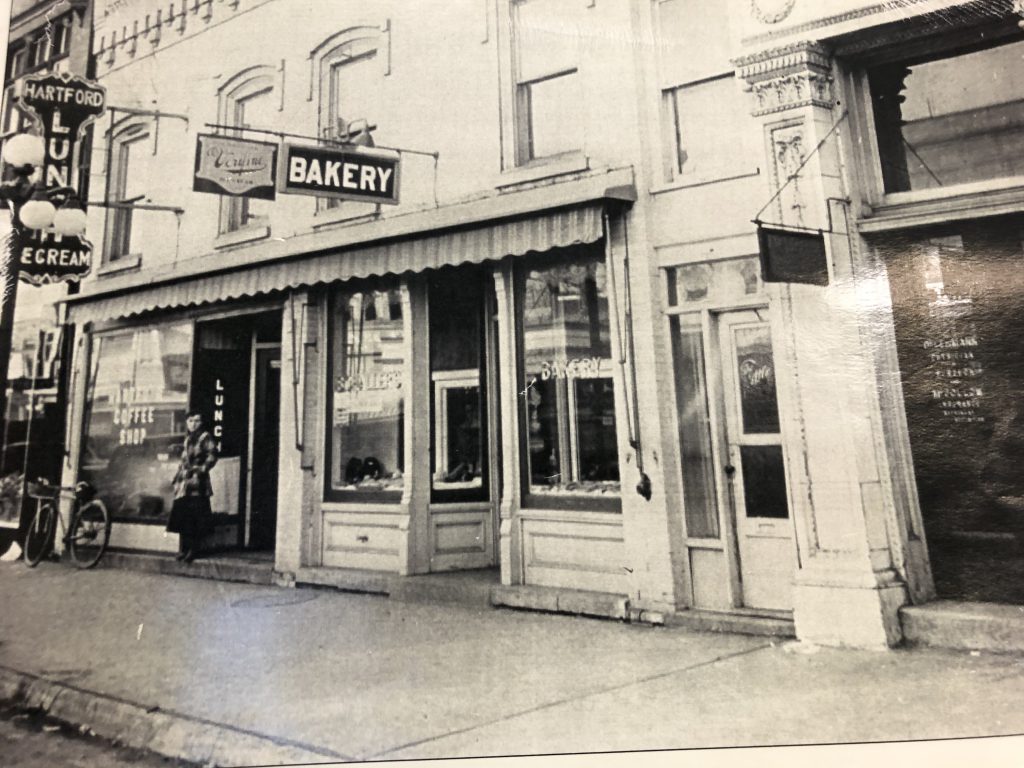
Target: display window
{"type": "Point", "coordinates": [568, 403]}
{"type": "Point", "coordinates": [958, 313]}
{"type": "Point", "coordinates": [367, 393]}
{"type": "Point", "coordinates": [134, 422]}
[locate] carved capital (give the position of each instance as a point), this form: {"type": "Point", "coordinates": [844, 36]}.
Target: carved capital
{"type": "Point", "coordinates": [797, 75]}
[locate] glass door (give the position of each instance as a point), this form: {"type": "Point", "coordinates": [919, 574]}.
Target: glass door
{"type": "Point", "coordinates": [755, 472]}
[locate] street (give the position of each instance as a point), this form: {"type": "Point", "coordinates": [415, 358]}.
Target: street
{"type": "Point", "coordinates": [201, 668]}
{"type": "Point", "coordinates": [27, 740]}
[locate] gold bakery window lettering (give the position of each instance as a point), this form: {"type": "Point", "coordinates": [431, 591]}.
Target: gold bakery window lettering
{"type": "Point", "coordinates": [130, 415]}
{"type": "Point", "coordinates": [572, 368]}
{"type": "Point", "coordinates": [361, 382]}
{"type": "Point", "coordinates": [955, 367]}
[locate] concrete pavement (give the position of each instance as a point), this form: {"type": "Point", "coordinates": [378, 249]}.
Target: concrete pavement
{"type": "Point", "coordinates": [240, 674]}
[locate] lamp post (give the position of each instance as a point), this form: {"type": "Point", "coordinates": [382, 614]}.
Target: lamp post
{"type": "Point", "coordinates": [32, 208]}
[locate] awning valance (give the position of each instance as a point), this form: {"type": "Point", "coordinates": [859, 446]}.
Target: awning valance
{"type": "Point", "coordinates": [415, 252]}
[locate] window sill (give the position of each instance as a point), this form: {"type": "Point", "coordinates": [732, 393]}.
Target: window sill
{"type": "Point", "coordinates": [119, 265]}
{"type": "Point", "coordinates": [544, 168]}
{"type": "Point", "coordinates": [686, 182]}
{"type": "Point", "coordinates": [931, 207]}
{"type": "Point", "coordinates": [329, 217]}
{"type": "Point", "coordinates": [240, 236]}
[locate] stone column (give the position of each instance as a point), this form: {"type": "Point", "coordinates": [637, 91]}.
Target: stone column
{"type": "Point", "coordinates": [847, 589]}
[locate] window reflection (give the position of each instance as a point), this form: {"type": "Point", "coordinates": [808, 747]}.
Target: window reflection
{"type": "Point", "coordinates": [368, 383]}
{"type": "Point", "coordinates": [950, 120]}
{"type": "Point", "coordinates": [569, 393]}
{"type": "Point", "coordinates": [135, 422]}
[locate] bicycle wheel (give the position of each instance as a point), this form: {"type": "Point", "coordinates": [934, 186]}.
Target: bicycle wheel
{"type": "Point", "coordinates": [39, 536]}
{"type": "Point", "coordinates": [89, 534]}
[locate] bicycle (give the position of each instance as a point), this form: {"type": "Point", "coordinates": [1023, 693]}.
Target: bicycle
{"type": "Point", "coordinates": [88, 533]}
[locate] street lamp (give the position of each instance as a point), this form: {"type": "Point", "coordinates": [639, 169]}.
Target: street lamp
{"type": "Point", "coordinates": [31, 201]}
{"type": "Point", "coordinates": [31, 205]}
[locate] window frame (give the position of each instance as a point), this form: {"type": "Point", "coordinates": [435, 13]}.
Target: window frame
{"type": "Point", "coordinates": [607, 503]}
{"type": "Point", "coordinates": [370, 44]}
{"type": "Point", "coordinates": [928, 48]}
{"type": "Point", "coordinates": [250, 83]}
{"type": "Point", "coordinates": [347, 289]}
{"type": "Point", "coordinates": [118, 225]}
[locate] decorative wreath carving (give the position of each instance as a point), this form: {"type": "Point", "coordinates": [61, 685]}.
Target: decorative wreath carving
{"type": "Point", "coordinates": [771, 11]}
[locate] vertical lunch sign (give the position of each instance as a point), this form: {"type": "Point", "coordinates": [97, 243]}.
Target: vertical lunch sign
{"type": "Point", "coordinates": [236, 167]}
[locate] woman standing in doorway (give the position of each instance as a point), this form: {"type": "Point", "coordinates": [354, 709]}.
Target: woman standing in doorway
{"type": "Point", "coordinates": [190, 514]}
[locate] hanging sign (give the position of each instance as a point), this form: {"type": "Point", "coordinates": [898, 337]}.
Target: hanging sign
{"type": "Point", "coordinates": [63, 104]}
{"type": "Point", "coordinates": [237, 167]}
{"type": "Point", "coordinates": [792, 257]}
{"type": "Point", "coordinates": [350, 174]}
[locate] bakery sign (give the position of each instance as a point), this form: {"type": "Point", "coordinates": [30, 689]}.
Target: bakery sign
{"type": "Point", "coordinates": [237, 167]}
{"type": "Point", "coordinates": [347, 172]}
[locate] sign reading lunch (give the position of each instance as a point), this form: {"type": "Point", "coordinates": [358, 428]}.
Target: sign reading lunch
{"type": "Point", "coordinates": [350, 174]}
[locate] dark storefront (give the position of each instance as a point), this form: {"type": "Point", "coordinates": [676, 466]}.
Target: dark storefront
{"type": "Point", "coordinates": [958, 301]}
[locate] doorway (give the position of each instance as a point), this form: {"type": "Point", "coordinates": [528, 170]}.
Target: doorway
{"type": "Point", "coordinates": [739, 528]}
{"type": "Point", "coordinates": [755, 472]}
{"type": "Point", "coordinates": [236, 386]}
{"type": "Point", "coordinates": [262, 518]}
{"type": "Point", "coordinates": [464, 454]}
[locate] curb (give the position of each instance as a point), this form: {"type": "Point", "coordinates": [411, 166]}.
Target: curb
{"type": "Point", "coordinates": [164, 732]}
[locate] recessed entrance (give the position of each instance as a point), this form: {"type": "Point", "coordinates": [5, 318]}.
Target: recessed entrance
{"type": "Point", "coordinates": [236, 385]}
{"type": "Point", "coordinates": [463, 470]}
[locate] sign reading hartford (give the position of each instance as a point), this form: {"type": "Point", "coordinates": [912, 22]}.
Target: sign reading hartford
{"type": "Point", "coordinates": [365, 175]}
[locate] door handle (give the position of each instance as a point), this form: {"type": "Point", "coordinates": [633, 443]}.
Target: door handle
{"type": "Point", "coordinates": [730, 470]}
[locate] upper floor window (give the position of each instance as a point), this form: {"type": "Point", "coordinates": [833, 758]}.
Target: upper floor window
{"type": "Point", "coordinates": [131, 152]}
{"type": "Point", "coordinates": [247, 101]}
{"type": "Point", "coordinates": [705, 114]}
{"type": "Point", "coordinates": [350, 97]}
{"type": "Point", "coordinates": [548, 95]}
{"type": "Point", "coordinates": [949, 118]}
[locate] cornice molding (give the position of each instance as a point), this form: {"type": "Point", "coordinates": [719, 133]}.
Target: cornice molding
{"type": "Point", "coordinates": [152, 28]}
{"type": "Point", "coordinates": [789, 77]}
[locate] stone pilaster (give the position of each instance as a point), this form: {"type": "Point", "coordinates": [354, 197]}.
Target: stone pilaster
{"type": "Point", "coordinates": [847, 590]}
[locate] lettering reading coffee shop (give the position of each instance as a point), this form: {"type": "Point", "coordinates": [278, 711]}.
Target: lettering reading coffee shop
{"type": "Point", "coordinates": [536, 342]}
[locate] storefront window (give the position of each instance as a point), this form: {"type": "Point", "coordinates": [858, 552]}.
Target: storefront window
{"type": "Point", "coordinates": [568, 392]}
{"type": "Point", "coordinates": [135, 419]}
{"type": "Point", "coordinates": [697, 461]}
{"type": "Point", "coordinates": [368, 391]}
{"type": "Point", "coordinates": [958, 308]}
{"type": "Point", "coordinates": [459, 460]}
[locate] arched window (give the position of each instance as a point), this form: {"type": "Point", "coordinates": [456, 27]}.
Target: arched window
{"type": "Point", "coordinates": [349, 67]}
{"type": "Point", "coordinates": [248, 100]}
{"type": "Point", "coordinates": [128, 179]}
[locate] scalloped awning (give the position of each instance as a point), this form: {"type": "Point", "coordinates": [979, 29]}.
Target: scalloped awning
{"type": "Point", "coordinates": [277, 269]}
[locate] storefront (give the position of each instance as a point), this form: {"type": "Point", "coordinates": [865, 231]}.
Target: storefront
{"type": "Point", "coordinates": [448, 401]}
{"type": "Point", "coordinates": [140, 381]}
{"type": "Point", "coordinates": [959, 317]}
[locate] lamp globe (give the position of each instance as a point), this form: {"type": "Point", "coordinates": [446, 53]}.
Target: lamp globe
{"type": "Point", "coordinates": [24, 149]}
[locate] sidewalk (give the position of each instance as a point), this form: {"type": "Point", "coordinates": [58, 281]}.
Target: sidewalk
{"type": "Point", "coordinates": [239, 674]}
